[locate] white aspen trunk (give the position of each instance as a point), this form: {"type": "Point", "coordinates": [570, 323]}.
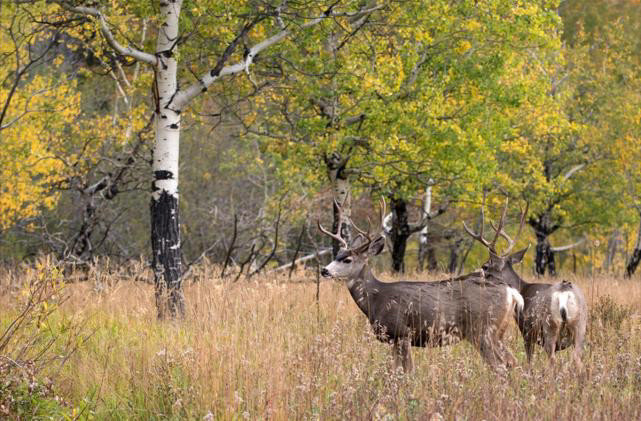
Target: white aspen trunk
{"type": "Point", "coordinates": [165, 223]}
{"type": "Point", "coordinates": [427, 208]}
{"type": "Point", "coordinates": [422, 239]}
{"type": "Point", "coordinates": [343, 197]}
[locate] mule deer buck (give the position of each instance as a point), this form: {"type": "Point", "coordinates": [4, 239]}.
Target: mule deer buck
{"type": "Point", "coordinates": [422, 314]}
{"type": "Point", "coordinates": [554, 315]}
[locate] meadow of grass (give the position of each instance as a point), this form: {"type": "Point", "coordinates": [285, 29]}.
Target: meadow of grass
{"type": "Point", "coordinates": [266, 349]}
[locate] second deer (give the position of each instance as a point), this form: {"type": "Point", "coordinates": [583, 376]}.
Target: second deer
{"type": "Point", "coordinates": [555, 315]}
{"type": "Point", "coordinates": [422, 314]}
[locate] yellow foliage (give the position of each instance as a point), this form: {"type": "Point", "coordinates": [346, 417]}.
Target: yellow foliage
{"type": "Point", "coordinates": [29, 157]}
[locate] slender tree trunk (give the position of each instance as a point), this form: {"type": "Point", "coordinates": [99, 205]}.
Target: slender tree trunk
{"type": "Point", "coordinates": [544, 256]}
{"type": "Point", "coordinates": [400, 233]}
{"type": "Point", "coordinates": [342, 196]}
{"type": "Point", "coordinates": [540, 260]}
{"type": "Point", "coordinates": [423, 236]}
{"type": "Point", "coordinates": [432, 263]}
{"type": "Point", "coordinates": [454, 255]}
{"type": "Point", "coordinates": [165, 223]}
{"type": "Point", "coordinates": [635, 258]}
{"type": "Point", "coordinates": [613, 245]}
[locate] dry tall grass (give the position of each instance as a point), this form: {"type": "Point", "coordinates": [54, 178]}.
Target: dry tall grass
{"type": "Point", "coordinates": [265, 349]}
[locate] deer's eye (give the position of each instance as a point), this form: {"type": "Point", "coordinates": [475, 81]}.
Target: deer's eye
{"type": "Point", "coordinates": [347, 260]}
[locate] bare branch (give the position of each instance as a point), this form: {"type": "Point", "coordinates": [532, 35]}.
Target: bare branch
{"type": "Point", "coordinates": [567, 247]}
{"type": "Point", "coordinates": [183, 97]}
{"type": "Point", "coordinates": [109, 37]}
{"type": "Point", "coordinates": [573, 171]}
{"type": "Point", "coordinates": [303, 259]}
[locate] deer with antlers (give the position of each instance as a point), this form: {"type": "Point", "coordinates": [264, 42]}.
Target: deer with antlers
{"type": "Point", "coordinates": [554, 315]}
{"type": "Point", "coordinates": [423, 314]}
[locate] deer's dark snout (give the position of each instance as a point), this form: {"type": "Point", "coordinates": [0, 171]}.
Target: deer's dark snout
{"type": "Point", "coordinates": [325, 273]}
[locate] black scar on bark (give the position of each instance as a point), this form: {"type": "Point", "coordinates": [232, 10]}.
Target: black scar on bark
{"type": "Point", "coordinates": [166, 262]}
{"type": "Point", "coordinates": [163, 175]}
{"type": "Point", "coordinates": [173, 126]}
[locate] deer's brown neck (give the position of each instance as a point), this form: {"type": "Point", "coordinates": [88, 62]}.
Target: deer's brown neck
{"type": "Point", "coordinates": [510, 277]}
{"type": "Point", "coordinates": [363, 289]}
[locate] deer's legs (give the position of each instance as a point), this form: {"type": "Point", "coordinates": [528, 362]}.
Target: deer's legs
{"type": "Point", "coordinates": [403, 355]}
{"type": "Point", "coordinates": [489, 351]}
{"type": "Point", "coordinates": [406, 353]}
{"type": "Point", "coordinates": [506, 356]}
{"type": "Point", "coordinates": [579, 339]}
{"type": "Point", "coordinates": [529, 347]}
{"type": "Point", "coordinates": [551, 336]}
{"type": "Point", "coordinates": [396, 350]}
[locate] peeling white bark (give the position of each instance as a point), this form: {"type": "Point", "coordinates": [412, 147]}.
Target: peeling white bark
{"type": "Point", "coordinates": [388, 223]}
{"type": "Point", "coordinates": [343, 196]}
{"type": "Point", "coordinates": [167, 120]}
{"type": "Point", "coordinates": [427, 209]}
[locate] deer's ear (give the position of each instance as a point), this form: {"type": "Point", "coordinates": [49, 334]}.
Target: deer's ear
{"type": "Point", "coordinates": [358, 241]}
{"type": "Point", "coordinates": [376, 246]}
{"type": "Point", "coordinates": [517, 256]}
{"type": "Point", "coordinates": [494, 258]}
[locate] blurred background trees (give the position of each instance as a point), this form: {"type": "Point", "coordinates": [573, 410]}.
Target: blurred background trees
{"type": "Point", "coordinates": [539, 102]}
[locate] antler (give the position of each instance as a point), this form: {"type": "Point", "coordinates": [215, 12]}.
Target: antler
{"type": "Point", "coordinates": [479, 236]}
{"type": "Point", "coordinates": [501, 224]}
{"type": "Point", "coordinates": [500, 232]}
{"type": "Point", "coordinates": [336, 236]}
{"type": "Point", "coordinates": [360, 231]}
{"type": "Point", "coordinates": [503, 234]}
{"type": "Point", "coordinates": [367, 234]}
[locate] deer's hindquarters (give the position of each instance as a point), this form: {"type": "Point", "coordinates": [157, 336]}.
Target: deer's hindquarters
{"type": "Point", "coordinates": [564, 307]}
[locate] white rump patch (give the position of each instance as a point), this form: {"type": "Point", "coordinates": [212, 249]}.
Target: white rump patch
{"type": "Point", "coordinates": [564, 300]}
{"type": "Point", "coordinates": [515, 298]}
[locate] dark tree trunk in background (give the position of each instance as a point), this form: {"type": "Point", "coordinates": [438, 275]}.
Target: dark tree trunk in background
{"type": "Point", "coordinates": [544, 259]}
{"type": "Point", "coordinates": [432, 263]}
{"type": "Point", "coordinates": [635, 258]}
{"type": "Point", "coordinates": [427, 251]}
{"type": "Point", "coordinates": [420, 264]}
{"type": "Point", "coordinates": [400, 233]}
{"type": "Point", "coordinates": [454, 255]}
{"type": "Point", "coordinates": [342, 196]}
{"type": "Point", "coordinates": [165, 245]}
{"type": "Point", "coordinates": [632, 264]}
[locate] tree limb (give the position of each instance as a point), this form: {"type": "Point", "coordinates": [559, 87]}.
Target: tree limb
{"type": "Point", "coordinates": [567, 247]}
{"type": "Point", "coordinates": [573, 171]}
{"type": "Point", "coordinates": [109, 37]}
{"type": "Point", "coordinates": [184, 96]}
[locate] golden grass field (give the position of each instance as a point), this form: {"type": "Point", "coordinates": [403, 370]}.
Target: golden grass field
{"type": "Point", "coordinates": [266, 349]}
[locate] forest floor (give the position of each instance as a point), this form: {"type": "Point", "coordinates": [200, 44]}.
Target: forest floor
{"type": "Point", "coordinates": [267, 349]}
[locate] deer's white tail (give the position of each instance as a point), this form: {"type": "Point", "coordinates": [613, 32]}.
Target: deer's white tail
{"type": "Point", "coordinates": [563, 305]}
{"type": "Point", "coordinates": [517, 300]}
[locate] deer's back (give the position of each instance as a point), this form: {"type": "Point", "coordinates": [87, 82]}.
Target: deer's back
{"type": "Point", "coordinates": [437, 313]}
